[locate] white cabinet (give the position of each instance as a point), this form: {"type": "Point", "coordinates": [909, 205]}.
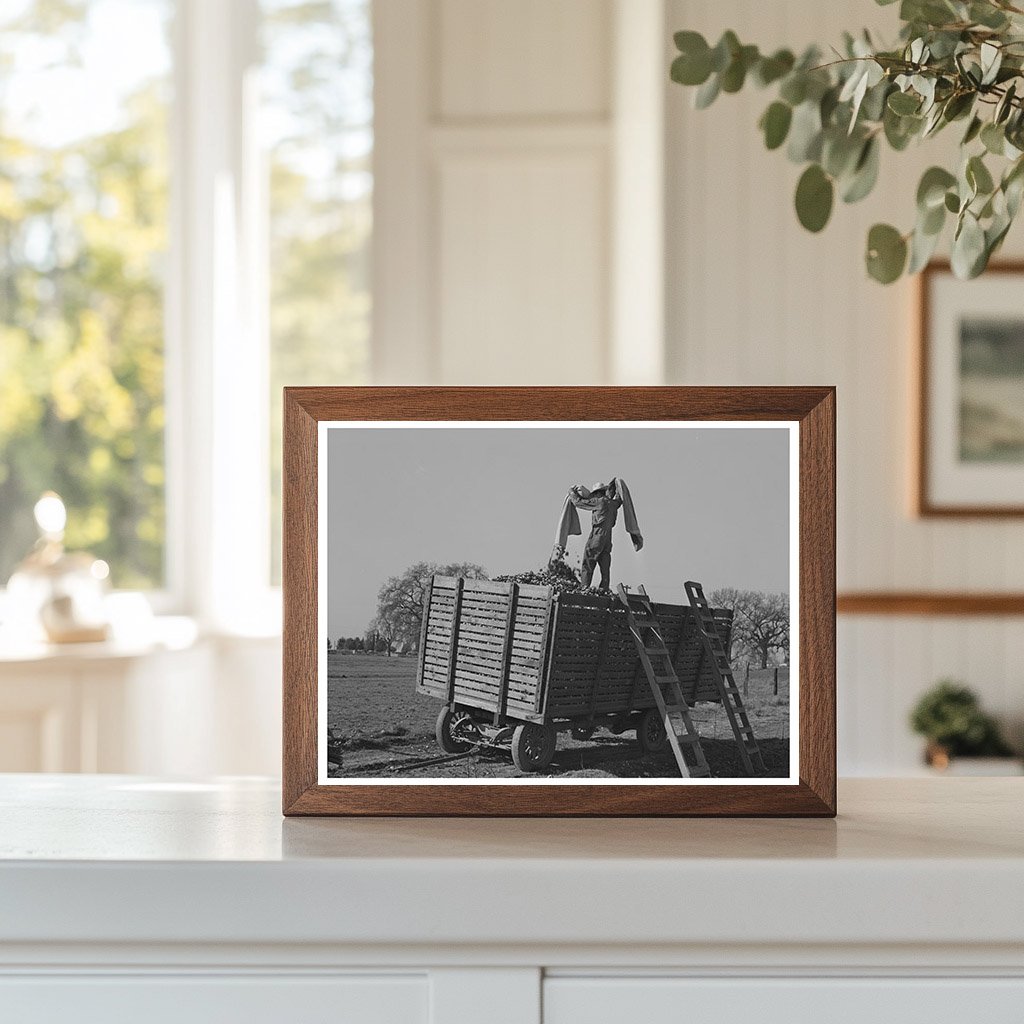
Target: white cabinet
{"type": "Point", "coordinates": [127, 899]}
{"type": "Point", "coordinates": [99, 707]}
{"type": "Point", "coordinates": [176, 705]}
{"type": "Point", "coordinates": [353, 999]}
{"type": "Point", "coordinates": [823, 1000]}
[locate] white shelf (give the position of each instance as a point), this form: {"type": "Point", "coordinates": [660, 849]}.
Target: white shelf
{"type": "Point", "coordinates": [126, 859]}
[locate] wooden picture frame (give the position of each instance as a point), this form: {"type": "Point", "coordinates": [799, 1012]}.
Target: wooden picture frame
{"type": "Point", "coordinates": [811, 791]}
{"type": "Point", "coordinates": [928, 372]}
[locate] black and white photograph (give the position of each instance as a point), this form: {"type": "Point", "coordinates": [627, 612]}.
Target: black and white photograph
{"type": "Point", "coordinates": [537, 602]}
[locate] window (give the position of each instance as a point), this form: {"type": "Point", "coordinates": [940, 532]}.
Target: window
{"type": "Point", "coordinates": [317, 116]}
{"type": "Point", "coordinates": [83, 236]}
{"type": "Point", "coordinates": [185, 222]}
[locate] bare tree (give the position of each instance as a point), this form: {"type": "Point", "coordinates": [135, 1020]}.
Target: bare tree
{"type": "Point", "coordinates": [400, 600]}
{"type": "Point", "coordinates": [760, 624]}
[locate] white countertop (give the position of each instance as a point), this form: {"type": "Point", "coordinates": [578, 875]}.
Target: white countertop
{"type": "Point", "coordinates": [119, 859]}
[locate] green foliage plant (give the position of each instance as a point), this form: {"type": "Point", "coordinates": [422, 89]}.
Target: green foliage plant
{"type": "Point", "coordinates": [957, 62]}
{"type": "Point", "coordinates": [949, 716]}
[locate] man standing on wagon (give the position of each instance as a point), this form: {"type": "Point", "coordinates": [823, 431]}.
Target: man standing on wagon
{"type": "Point", "coordinates": [603, 501]}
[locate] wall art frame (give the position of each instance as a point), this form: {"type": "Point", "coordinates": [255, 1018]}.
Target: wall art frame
{"type": "Point", "coordinates": [969, 423]}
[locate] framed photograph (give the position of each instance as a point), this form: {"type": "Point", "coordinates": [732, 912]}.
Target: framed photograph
{"type": "Point", "coordinates": [559, 601]}
{"type": "Point", "coordinates": [970, 450]}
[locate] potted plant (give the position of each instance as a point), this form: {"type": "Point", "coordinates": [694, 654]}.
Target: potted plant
{"type": "Point", "coordinates": [956, 62]}
{"type": "Point", "coordinates": [950, 718]}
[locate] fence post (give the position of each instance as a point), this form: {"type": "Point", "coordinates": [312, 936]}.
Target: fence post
{"type": "Point", "coordinates": [746, 680]}
{"type": "Point", "coordinates": [776, 683]}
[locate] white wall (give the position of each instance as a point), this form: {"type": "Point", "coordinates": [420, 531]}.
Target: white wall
{"type": "Point", "coordinates": [498, 198]}
{"type": "Point", "coordinates": [754, 299]}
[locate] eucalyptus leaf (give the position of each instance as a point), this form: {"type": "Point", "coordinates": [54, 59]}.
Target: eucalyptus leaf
{"type": "Point", "coordinates": [1014, 192]}
{"type": "Point", "coordinates": [925, 87]}
{"type": "Point", "coordinates": [805, 133]}
{"type": "Point", "coordinates": [873, 106]}
{"type": "Point", "coordinates": [900, 130]}
{"type": "Point", "coordinates": [735, 74]}
{"type": "Point", "coordinates": [958, 105]}
{"type": "Point", "coordinates": [827, 106]}
{"type": "Point", "coordinates": [840, 152]}
{"type": "Point", "coordinates": [993, 138]}
{"type": "Point", "coordinates": [973, 130]}
{"type": "Point", "coordinates": [968, 247]}
{"type": "Point", "coordinates": [771, 69]}
{"type": "Point", "coordinates": [724, 51]}
{"type": "Point", "coordinates": [794, 88]}
{"type": "Point", "coordinates": [987, 15]}
{"type": "Point", "coordinates": [995, 233]}
{"type": "Point", "coordinates": [933, 122]}
{"type": "Point", "coordinates": [689, 69]}
{"type": "Point", "coordinates": [865, 173]}
{"type": "Point", "coordinates": [991, 61]}
{"type": "Point", "coordinates": [944, 44]}
{"type": "Point", "coordinates": [1013, 187]}
{"type": "Point", "coordinates": [903, 103]}
{"type": "Point", "coordinates": [978, 176]}
{"type": "Point", "coordinates": [775, 124]}
{"type": "Point", "coordinates": [814, 196]}
{"type": "Point", "coordinates": [707, 93]}
{"type": "Point", "coordinates": [922, 248]}
{"type": "Point", "coordinates": [886, 253]}
{"type": "Point", "coordinates": [932, 221]}
{"type": "Point", "coordinates": [931, 190]}
{"type": "Point", "coordinates": [1005, 105]}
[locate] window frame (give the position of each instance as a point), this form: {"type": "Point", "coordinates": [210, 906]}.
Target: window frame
{"type": "Point", "coordinates": [217, 346]}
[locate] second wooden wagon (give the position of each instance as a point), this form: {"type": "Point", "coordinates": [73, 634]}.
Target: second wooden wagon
{"type": "Point", "coordinates": [517, 663]}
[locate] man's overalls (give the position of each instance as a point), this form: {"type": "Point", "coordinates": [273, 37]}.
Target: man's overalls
{"type": "Point", "coordinates": [598, 550]}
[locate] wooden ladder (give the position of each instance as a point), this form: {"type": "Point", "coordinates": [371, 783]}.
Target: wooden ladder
{"type": "Point", "coordinates": [650, 645]}
{"type": "Point", "coordinates": [721, 670]}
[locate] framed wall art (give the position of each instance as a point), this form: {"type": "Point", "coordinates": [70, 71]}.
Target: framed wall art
{"type": "Point", "coordinates": [970, 443]}
{"type": "Point", "coordinates": [559, 601]}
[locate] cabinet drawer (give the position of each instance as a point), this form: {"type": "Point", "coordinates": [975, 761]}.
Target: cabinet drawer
{"type": "Point", "coordinates": [202, 999]}
{"type": "Point", "coordinates": [569, 1000]}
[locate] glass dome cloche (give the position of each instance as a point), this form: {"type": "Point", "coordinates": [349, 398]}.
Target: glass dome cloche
{"type": "Point", "coordinates": [57, 595]}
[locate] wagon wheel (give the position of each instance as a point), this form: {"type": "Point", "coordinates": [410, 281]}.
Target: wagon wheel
{"type": "Point", "coordinates": [449, 725]}
{"type": "Point", "coordinates": [650, 732]}
{"type": "Point", "coordinates": [583, 732]}
{"type": "Point", "coordinates": [533, 746]}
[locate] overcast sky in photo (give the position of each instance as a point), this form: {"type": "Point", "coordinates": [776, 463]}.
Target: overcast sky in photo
{"type": "Point", "coordinates": [712, 505]}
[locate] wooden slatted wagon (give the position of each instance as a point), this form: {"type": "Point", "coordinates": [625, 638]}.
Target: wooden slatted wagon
{"type": "Point", "coordinates": [517, 663]}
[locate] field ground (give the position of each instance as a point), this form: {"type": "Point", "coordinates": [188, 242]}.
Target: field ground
{"type": "Point", "coordinates": [382, 726]}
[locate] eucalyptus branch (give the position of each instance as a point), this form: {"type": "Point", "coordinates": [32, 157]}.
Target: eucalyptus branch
{"type": "Point", "coordinates": [954, 61]}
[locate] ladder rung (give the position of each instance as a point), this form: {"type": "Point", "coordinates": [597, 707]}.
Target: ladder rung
{"type": "Point", "coordinates": [676, 709]}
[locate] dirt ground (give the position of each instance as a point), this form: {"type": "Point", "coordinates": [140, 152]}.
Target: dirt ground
{"type": "Point", "coordinates": [380, 727]}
